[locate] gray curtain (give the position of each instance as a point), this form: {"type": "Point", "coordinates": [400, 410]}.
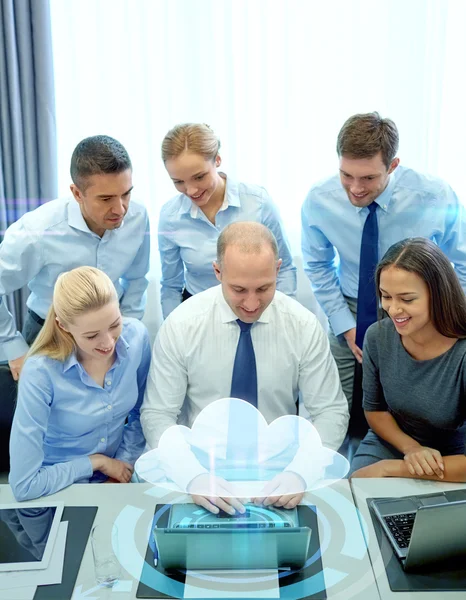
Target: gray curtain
{"type": "Point", "coordinates": [28, 156]}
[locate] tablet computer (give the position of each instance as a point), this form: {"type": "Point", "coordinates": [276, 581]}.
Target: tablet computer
{"type": "Point", "coordinates": [261, 538]}
{"type": "Point", "coordinates": [27, 534]}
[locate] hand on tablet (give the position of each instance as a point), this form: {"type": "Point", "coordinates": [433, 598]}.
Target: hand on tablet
{"type": "Point", "coordinates": [285, 490]}
{"type": "Point", "coordinates": [220, 496]}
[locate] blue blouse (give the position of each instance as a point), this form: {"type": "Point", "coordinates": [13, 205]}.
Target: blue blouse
{"type": "Point", "coordinates": [188, 240]}
{"type": "Point", "coordinates": [63, 416]}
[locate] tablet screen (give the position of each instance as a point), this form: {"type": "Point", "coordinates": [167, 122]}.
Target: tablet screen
{"type": "Point", "coordinates": [26, 535]}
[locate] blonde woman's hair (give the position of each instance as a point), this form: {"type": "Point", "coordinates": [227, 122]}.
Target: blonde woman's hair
{"type": "Point", "coordinates": [75, 293]}
{"type": "Point", "coordinates": [197, 138]}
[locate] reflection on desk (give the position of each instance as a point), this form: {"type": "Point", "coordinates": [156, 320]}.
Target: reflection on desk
{"type": "Point", "coordinates": [347, 570]}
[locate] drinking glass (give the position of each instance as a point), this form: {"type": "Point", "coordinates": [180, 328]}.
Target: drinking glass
{"type": "Point", "coordinates": [104, 544]}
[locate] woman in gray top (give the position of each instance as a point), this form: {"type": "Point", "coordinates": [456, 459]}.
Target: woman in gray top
{"type": "Point", "coordinates": [414, 369]}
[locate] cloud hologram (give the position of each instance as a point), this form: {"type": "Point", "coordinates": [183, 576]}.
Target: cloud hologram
{"type": "Point", "coordinates": [230, 441]}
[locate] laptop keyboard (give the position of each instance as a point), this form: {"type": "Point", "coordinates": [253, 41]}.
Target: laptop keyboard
{"type": "Point", "coordinates": [233, 525]}
{"type": "Point", "coordinates": [401, 527]}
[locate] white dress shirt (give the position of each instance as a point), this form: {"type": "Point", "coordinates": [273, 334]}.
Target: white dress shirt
{"type": "Point", "coordinates": [193, 359]}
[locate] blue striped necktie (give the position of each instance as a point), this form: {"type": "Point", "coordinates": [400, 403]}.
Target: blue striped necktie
{"type": "Point", "coordinates": [367, 297]}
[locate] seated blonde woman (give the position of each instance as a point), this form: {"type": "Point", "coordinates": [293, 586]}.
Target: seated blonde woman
{"type": "Point", "coordinates": [84, 377]}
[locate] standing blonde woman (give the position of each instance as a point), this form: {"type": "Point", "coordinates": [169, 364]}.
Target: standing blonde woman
{"type": "Point", "coordinates": [208, 201]}
{"type": "Point", "coordinates": [84, 376]}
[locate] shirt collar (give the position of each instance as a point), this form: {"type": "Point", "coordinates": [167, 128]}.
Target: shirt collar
{"type": "Point", "coordinates": [121, 350]}
{"type": "Point", "coordinates": [76, 220]}
{"type": "Point", "coordinates": [75, 217]}
{"type": "Point", "coordinates": [384, 199]}
{"type": "Point", "coordinates": [231, 198]}
{"type": "Point", "coordinates": [228, 316]}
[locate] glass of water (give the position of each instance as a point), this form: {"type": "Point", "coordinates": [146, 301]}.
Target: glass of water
{"type": "Point", "coordinates": [104, 542]}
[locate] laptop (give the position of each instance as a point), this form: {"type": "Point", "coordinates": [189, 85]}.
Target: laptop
{"type": "Point", "coordinates": [424, 529]}
{"type": "Point", "coordinates": [262, 538]}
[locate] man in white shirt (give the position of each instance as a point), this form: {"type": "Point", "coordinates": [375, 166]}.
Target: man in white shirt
{"type": "Point", "coordinates": [196, 350]}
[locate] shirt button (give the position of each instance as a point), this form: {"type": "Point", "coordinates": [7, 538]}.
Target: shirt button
{"type": "Point", "coordinates": [108, 382]}
{"type": "Point", "coordinates": [102, 440]}
{"type": "Point", "coordinates": [109, 407]}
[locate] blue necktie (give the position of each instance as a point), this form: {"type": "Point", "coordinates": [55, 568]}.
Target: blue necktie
{"type": "Point", "coordinates": [244, 379]}
{"type": "Point", "coordinates": [242, 437]}
{"type": "Point", "coordinates": [367, 298]}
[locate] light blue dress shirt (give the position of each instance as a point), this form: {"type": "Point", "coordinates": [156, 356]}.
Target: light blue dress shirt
{"type": "Point", "coordinates": [412, 205]}
{"type": "Point", "coordinates": [63, 416]}
{"type": "Point", "coordinates": [188, 240]}
{"type": "Point", "coordinates": [55, 238]}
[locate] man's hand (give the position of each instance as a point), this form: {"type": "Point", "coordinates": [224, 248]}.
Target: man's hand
{"type": "Point", "coordinates": [285, 490]}
{"type": "Point", "coordinates": [16, 366]}
{"type": "Point", "coordinates": [350, 337]}
{"type": "Point", "coordinates": [220, 496]}
{"type": "Point", "coordinates": [422, 460]}
{"type": "Point", "coordinates": [116, 469]}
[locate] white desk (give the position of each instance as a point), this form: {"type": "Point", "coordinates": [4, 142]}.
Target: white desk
{"type": "Point", "coordinates": [347, 568]}
{"type": "Point", "coordinates": [373, 488]}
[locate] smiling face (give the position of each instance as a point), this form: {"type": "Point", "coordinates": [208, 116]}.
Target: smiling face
{"type": "Point", "coordinates": [248, 281]}
{"type": "Point", "coordinates": [197, 178]}
{"type": "Point", "coordinates": [364, 179]}
{"type": "Point", "coordinates": [96, 332]}
{"type": "Point", "coordinates": [405, 298]}
{"type": "Point", "coordinates": [105, 201]}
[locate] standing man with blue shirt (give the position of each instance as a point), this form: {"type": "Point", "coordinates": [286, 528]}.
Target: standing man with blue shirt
{"type": "Point", "coordinates": [97, 226]}
{"type": "Point", "coordinates": [387, 203]}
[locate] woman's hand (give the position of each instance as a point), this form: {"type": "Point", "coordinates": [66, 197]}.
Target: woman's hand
{"type": "Point", "coordinates": [378, 469]}
{"type": "Point", "coordinates": [114, 468]}
{"type": "Point", "coordinates": [422, 460]}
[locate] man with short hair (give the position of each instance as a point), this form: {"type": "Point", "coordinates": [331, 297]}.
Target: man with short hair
{"type": "Point", "coordinates": [97, 226]}
{"type": "Point", "coordinates": [286, 352]}
{"type": "Point", "coordinates": [343, 241]}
